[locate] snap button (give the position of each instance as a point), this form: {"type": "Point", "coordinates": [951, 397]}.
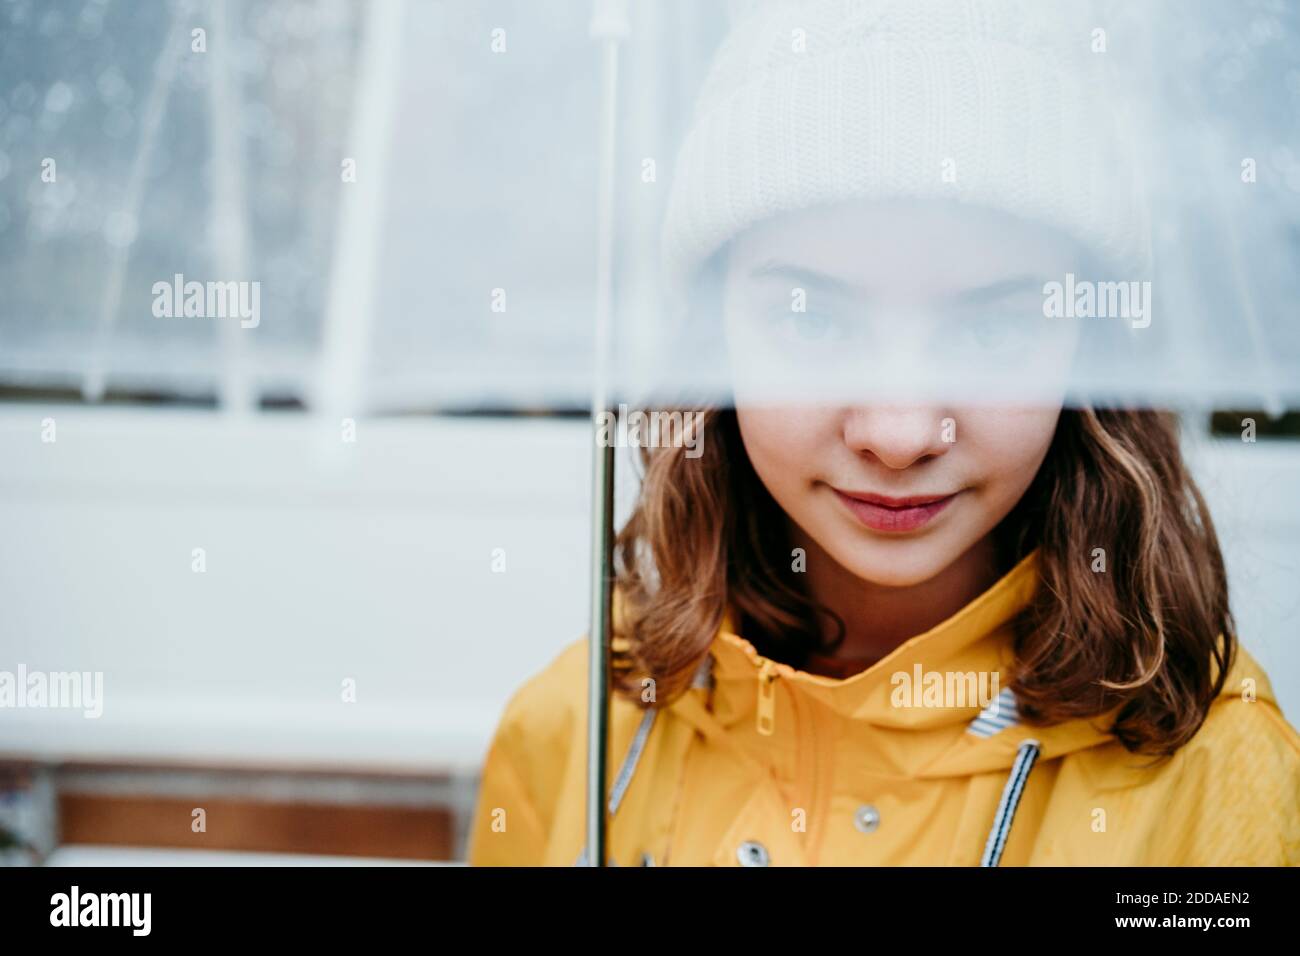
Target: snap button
{"type": "Point", "coordinates": [866, 818]}
{"type": "Point", "coordinates": [752, 853]}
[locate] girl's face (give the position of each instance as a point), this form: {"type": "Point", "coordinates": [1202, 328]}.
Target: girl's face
{"type": "Point", "coordinates": [896, 489]}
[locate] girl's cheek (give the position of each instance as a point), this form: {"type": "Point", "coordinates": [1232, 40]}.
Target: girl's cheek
{"type": "Point", "coordinates": [1026, 444]}
{"type": "Point", "coordinates": [776, 435]}
{"type": "Point", "coordinates": [1009, 444]}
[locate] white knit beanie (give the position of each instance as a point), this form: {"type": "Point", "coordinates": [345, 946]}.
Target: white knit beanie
{"type": "Point", "coordinates": [1000, 103]}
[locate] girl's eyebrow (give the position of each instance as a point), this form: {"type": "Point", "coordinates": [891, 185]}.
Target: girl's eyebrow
{"type": "Point", "coordinates": [994, 291]}
{"type": "Point", "coordinates": [824, 282]}
{"type": "Point", "coordinates": [802, 277]}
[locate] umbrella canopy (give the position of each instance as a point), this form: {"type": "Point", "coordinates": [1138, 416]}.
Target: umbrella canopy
{"type": "Point", "coordinates": [423, 227]}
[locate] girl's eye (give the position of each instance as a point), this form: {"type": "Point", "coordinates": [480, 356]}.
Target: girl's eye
{"type": "Point", "coordinates": [808, 328]}
{"type": "Point", "coordinates": [997, 333]}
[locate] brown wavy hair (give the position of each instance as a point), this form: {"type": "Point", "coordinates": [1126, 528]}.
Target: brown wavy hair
{"type": "Point", "coordinates": [1153, 639]}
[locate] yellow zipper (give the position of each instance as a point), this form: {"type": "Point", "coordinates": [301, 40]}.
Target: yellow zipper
{"type": "Point", "coordinates": [766, 713]}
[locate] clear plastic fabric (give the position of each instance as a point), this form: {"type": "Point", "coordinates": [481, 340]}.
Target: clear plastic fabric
{"type": "Point", "coordinates": [417, 192]}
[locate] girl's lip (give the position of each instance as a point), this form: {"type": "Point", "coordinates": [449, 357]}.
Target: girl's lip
{"type": "Point", "coordinates": [883, 513]}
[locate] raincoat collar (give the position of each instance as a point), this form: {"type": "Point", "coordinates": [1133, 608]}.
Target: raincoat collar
{"type": "Point", "coordinates": [887, 703]}
{"type": "Point", "coordinates": [975, 637]}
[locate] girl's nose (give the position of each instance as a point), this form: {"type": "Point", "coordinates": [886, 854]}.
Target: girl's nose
{"type": "Point", "coordinates": [898, 436]}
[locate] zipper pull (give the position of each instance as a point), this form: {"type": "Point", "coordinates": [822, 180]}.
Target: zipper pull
{"type": "Point", "coordinates": [767, 698]}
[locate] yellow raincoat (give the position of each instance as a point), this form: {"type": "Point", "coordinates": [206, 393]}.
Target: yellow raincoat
{"type": "Point", "coordinates": [762, 764]}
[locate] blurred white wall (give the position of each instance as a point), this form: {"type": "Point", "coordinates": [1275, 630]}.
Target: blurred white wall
{"type": "Point", "coordinates": [371, 561]}
{"type": "Point", "coordinates": [325, 561]}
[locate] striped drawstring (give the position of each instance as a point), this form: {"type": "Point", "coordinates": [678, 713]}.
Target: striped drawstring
{"type": "Point", "coordinates": [625, 772]}
{"type": "Point", "coordinates": [1026, 755]}
{"type": "Point", "coordinates": [1015, 786]}
{"type": "Point", "coordinates": [703, 679]}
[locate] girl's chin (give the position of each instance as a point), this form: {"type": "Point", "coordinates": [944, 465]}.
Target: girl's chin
{"type": "Point", "coordinates": [900, 562]}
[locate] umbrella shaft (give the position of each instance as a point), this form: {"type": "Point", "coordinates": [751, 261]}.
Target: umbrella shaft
{"type": "Point", "coordinates": [602, 574]}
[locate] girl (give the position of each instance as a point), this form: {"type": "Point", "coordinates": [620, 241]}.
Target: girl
{"type": "Point", "coordinates": [929, 628]}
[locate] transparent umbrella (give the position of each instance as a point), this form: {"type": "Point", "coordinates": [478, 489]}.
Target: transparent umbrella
{"type": "Point", "coordinates": [794, 203]}
{"type": "Point", "coordinates": [876, 203]}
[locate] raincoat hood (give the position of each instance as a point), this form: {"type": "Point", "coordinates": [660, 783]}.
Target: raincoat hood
{"type": "Point", "coordinates": [918, 759]}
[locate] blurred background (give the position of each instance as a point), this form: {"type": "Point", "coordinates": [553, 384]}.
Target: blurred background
{"type": "Point", "coordinates": [313, 558]}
